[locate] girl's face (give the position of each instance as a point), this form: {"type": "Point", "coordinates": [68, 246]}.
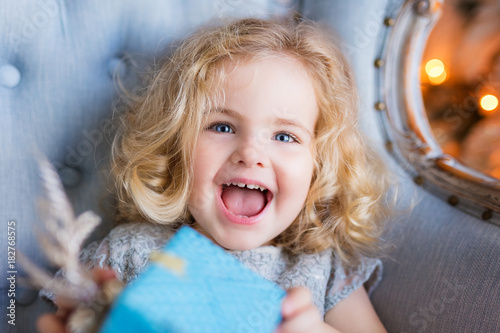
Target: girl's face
{"type": "Point", "coordinates": [261, 135]}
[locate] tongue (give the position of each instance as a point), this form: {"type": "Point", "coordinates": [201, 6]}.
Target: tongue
{"type": "Point", "coordinates": [243, 201]}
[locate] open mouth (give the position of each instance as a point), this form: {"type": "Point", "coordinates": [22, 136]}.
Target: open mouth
{"type": "Point", "coordinates": [245, 200]}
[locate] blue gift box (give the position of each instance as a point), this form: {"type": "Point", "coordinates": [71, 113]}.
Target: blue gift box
{"type": "Point", "coordinates": [193, 285]}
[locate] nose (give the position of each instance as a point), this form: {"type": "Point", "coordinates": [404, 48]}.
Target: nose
{"type": "Point", "coordinates": [250, 153]}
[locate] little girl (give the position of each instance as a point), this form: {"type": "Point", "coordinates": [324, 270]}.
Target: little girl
{"type": "Point", "coordinates": [249, 134]}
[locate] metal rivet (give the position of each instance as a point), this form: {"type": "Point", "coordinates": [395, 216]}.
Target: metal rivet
{"type": "Point", "coordinates": [487, 214]}
{"type": "Point", "coordinates": [389, 146]}
{"type": "Point", "coordinates": [419, 180]}
{"type": "Point", "coordinates": [389, 21]}
{"type": "Point", "coordinates": [379, 62]}
{"type": "Point", "coordinates": [422, 7]}
{"type": "Point", "coordinates": [453, 200]}
{"type": "Point", "coordinates": [380, 106]}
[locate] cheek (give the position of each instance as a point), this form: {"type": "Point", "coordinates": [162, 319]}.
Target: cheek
{"type": "Point", "coordinates": [208, 159]}
{"type": "Point", "coordinates": [201, 167]}
{"type": "Point", "coordinates": [198, 161]}
{"type": "Point", "coordinates": [204, 158]}
{"type": "Point", "coordinates": [296, 177]}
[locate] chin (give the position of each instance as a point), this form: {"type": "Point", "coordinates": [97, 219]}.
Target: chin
{"type": "Point", "coordinates": [239, 244]}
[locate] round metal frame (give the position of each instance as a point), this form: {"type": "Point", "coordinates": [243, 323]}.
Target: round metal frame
{"type": "Point", "coordinates": [405, 126]}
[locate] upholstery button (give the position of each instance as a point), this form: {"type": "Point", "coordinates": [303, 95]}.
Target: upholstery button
{"type": "Point", "coordinates": [9, 76]}
{"type": "Point", "coordinates": [25, 295]}
{"type": "Point", "coordinates": [117, 67]}
{"type": "Point", "coordinates": [70, 177]}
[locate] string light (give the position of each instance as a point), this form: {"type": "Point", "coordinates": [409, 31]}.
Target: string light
{"type": "Point", "coordinates": [435, 71]}
{"type": "Point", "coordinates": [434, 67]}
{"type": "Point", "coordinates": [438, 79]}
{"type": "Point", "coordinates": [488, 102]}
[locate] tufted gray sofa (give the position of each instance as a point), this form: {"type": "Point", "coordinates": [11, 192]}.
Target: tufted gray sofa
{"type": "Point", "coordinates": [58, 60]}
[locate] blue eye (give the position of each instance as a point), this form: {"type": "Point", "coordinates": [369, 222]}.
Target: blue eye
{"type": "Point", "coordinates": [221, 128]}
{"type": "Point", "coordinates": [285, 137]}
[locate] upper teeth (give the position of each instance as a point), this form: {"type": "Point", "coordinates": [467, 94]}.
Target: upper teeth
{"type": "Point", "coordinates": [250, 186]}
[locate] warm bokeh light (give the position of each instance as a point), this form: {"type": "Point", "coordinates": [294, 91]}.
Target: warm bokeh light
{"type": "Point", "coordinates": [438, 79]}
{"type": "Point", "coordinates": [436, 73]}
{"type": "Point", "coordinates": [434, 68]}
{"type": "Point", "coordinates": [489, 102]}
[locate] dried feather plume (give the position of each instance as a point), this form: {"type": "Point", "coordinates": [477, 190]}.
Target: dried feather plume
{"type": "Point", "coordinates": [61, 239]}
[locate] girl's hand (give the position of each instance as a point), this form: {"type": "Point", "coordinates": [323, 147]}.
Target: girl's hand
{"type": "Point", "coordinates": [300, 314]}
{"type": "Point", "coordinates": [56, 322]}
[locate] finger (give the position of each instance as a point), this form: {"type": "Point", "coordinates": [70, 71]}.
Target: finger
{"type": "Point", "coordinates": [297, 298]}
{"type": "Point", "coordinates": [50, 323]}
{"type": "Point", "coordinates": [63, 313]}
{"type": "Point", "coordinates": [102, 275]}
{"type": "Point", "coordinates": [99, 275]}
{"type": "Point", "coordinates": [64, 306]}
{"type": "Point", "coordinates": [304, 321]}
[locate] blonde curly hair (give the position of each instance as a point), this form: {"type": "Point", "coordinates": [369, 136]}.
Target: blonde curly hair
{"type": "Point", "coordinates": [153, 149]}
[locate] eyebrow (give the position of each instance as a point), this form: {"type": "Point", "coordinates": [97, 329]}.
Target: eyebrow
{"type": "Point", "coordinates": [277, 121]}
{"type": "Point", "coordinates": [229, 112]}
{"type": "Point", "coordinates": [290, 122]}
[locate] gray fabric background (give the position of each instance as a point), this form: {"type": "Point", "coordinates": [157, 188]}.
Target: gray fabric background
{"type": "Point", "coordinates": [57, 60]}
